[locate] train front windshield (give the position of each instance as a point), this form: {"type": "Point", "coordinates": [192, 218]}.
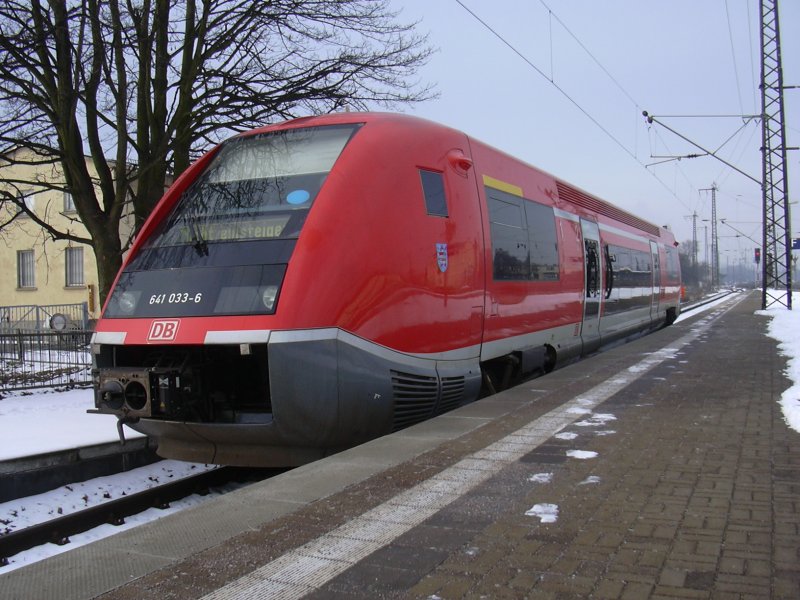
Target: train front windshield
{"type": "Point", "coordinates": [225, 246]}
{"type": "Point", "coordinates": [254, 187]}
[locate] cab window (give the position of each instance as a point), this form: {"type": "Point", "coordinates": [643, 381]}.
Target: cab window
{"type": "Point", "coordinates": [433, 190]}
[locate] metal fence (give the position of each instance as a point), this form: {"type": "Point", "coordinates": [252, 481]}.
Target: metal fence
{"type": "Point", "coordinates": [30, 317]}
{"type": "Point", "coordinates": [37, 359]}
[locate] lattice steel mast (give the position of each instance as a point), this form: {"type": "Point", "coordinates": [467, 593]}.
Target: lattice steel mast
{"type": "Point", "coordinates": [714, 239]}
{"type": "Point", "coordinates": [694, 243]}
{"type": "Point", "coordinates": [777, 264]}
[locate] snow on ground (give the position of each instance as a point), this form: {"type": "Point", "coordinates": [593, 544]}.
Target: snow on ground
{"type": "Point", "coordinates": [547, 513]}
{"type": "Point", "coordinates": [18, 514]}
{"type": "Point", "coordinates": [46, 421]}
{"type": "Point", "coordinates": [541, 478]}
{"type": "Point", "coordinates": [582, 454]}
{"type": "Point", "coordinates": [705, 308]}
{"type": "Point", "coordinates": [784, 326]}
{"type": "Point", "coordinates": [68, 499]}
{"type": "Point", "coordinates": [590, 480]}
{"type": "Point", "coordinates": [596, 420]}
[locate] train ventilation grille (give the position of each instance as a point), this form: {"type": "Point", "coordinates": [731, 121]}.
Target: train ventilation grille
{"type": "Point", "coordinates": [581, 198]}
{"type": "Point", "coordinates": [419, 397]}
{"type": "Point", "coordinates": [414, 398]}
{"type": "Point", "coordinates": [452, 394]}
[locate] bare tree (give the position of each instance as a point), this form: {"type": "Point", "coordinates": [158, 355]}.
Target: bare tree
{"type": "Point", "coordinates": [141, 86]}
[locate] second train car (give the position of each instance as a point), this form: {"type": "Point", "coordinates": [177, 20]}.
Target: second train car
{"type": "Point", "coordinates": [310, 285]}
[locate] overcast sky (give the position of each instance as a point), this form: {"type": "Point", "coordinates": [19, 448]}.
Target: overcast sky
{"type": "Point", "coordinates": [682, 57]}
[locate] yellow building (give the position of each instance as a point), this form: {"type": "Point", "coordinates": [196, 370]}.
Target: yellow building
{"type": "Point", "coordinates": [38, 271]}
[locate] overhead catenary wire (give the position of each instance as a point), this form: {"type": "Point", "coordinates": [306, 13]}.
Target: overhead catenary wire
{"type": "Point", "coordinates": [542, 73]}
{"type": "Point", "coordinates": [592, 56]}
{"type": "Point", "coordinates": [652, 119]}
{"type": "Point", "coordinates": [733, 55]}
{"type": "Point", "coordinates": [661, 140]}
{"type": "Point", "coordinates": [564, 93]}
{"type": "Point", "coordinates": [751, 36]}
{"type": "Point", "coordinates": [741, 147]}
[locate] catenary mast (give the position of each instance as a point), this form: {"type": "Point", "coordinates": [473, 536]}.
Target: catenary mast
{"type": "Point", "coordinates": [777, 263]}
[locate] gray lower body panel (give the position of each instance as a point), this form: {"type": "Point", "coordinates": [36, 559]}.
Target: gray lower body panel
{"type": "Point", "coordinates": [329, 390]}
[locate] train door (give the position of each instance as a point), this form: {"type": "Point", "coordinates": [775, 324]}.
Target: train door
{"type": "Point", "coordinates": [451, 261]}
{"type": "Point", "coordinates": [590, 328]}
{"type": "Point", "coordinates": [654, 305]}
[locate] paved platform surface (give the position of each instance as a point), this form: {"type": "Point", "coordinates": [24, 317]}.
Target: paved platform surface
{"type": "Point", "coordinates": [658, 469]}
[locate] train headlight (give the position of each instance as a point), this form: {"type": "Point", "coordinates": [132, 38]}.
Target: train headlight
{"type": "Point", "coordinates": [127, 302]}
{"type": "Point", "coordinates": [268, 296]}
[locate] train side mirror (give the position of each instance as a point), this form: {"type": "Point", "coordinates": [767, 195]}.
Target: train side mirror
{"type": "Point", "coordinates": [459, 161]}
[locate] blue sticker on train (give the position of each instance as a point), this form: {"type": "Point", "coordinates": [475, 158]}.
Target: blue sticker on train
{"type": "Point", "coordinates": [298, 197]}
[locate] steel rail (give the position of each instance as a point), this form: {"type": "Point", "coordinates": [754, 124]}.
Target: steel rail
{"type": "Point", "coordinates": [705, 301]}
{"type": "Point", "coordinates": [115, 511]}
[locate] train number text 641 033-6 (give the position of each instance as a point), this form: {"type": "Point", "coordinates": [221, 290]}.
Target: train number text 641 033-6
{"type": "Point", "coordinates": [176, 298]}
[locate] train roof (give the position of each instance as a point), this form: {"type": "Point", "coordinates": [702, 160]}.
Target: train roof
{"type": "Point", "coordinates": [566, 191]}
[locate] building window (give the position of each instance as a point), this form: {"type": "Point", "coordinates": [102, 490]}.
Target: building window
{"type": "Point", "coordinates": [26, 269]}
{"type": "Point", "coordinates": [433, 189]}
{"type": "Point", "coordinates": [69, 203]}
{"type": "Point", "coordinates": [74, 265]}
{"type": "Point", "coordinates": [29, 198]}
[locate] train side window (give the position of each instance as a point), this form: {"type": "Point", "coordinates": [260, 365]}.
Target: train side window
{"type": "Point", "coordinates": [543, 241]}
{"type": "Point", "coordinates": [673, 265]}
{"type": "Point", "coordinates": [511, 258]}
{"type": "Point", "coordinates": [433, 189]}
{"type": "Point", "coordinates": [592, 269]}
{"type": "Point", "coordinates": [632, 277]}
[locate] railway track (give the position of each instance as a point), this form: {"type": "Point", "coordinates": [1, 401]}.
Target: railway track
{"type": "Point", "coordinates": [704, 301]}
{"type": "Point", "coordinates": [59, 530]}
{"type": "Point", "coordinates": [29, 475]}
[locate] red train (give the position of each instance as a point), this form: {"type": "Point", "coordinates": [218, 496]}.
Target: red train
{"type": "Point", "coordinates": [311, 285]}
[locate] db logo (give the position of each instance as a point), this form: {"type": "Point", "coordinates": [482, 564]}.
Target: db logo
{"type": "Point", "coordinates": [163, 331]}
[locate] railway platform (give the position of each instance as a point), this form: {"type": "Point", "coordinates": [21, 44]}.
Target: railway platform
{"type": "Point", "coordinates": [661, 468]}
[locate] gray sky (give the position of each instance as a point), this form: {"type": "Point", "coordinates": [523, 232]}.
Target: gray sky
{"type": "Point", "coordinates": [676, 57]}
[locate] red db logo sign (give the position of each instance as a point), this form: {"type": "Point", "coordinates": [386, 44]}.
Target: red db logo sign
{"type": "Point", "coordinates": [163, 331]}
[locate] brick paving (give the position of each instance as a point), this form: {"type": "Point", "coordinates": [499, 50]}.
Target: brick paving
{"type": "Point", "coordinates": [697, 496]}
{"type": "Point", "coordinates": [694, 492]}
{"type": "Point", "coordinates": [698, 493]}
